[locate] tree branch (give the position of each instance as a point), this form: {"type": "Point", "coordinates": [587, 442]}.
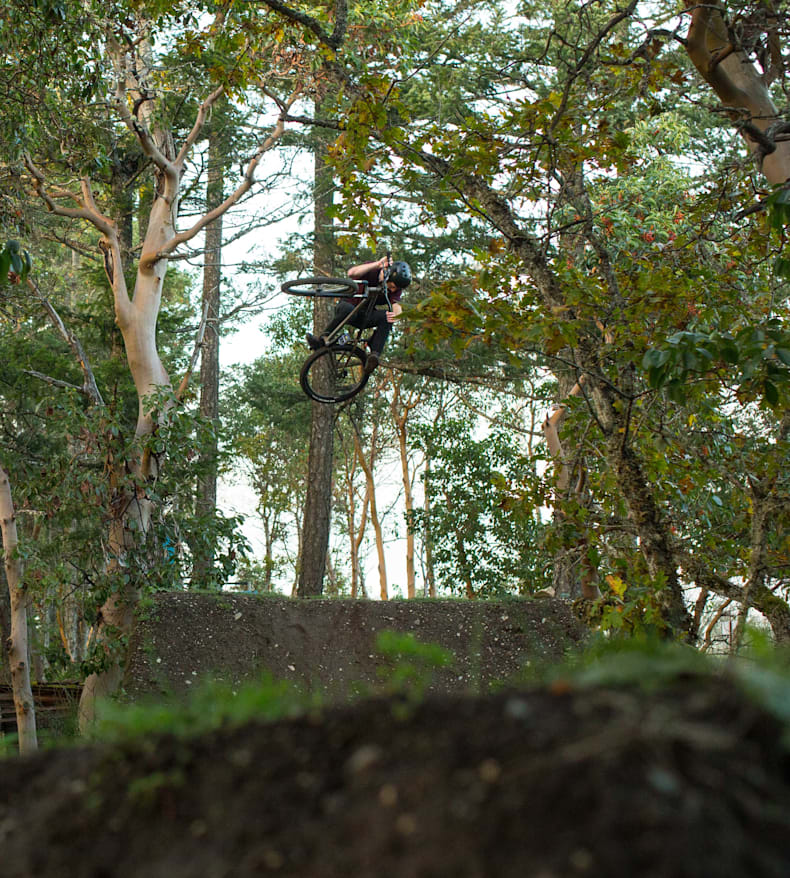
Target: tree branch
{"type": "Point", "coordinates": [200, 121]}
{"type": "Point", "coordinates": [55, 382]}
{"type": "Point", "coordinates": [182, 387]}
{"type": "Point", "coordinates": [89, 387]}
{"type": "Point", "coordinates": [244, 186]}
{"type": "Point", "coordinates": [333, 40]}
{"type": "Point", "coordinates": [759, 597]}
{"type": "Point", "coordinates": [86, 209]}
{"type": "Point", "coordinates": [137, 128]}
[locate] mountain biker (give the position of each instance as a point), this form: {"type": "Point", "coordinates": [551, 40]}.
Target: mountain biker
{"type": "Point", "coordinates": [396, 276]}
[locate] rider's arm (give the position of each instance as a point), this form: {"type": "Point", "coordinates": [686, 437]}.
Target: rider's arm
{"type": "Point", "coordinates": [361, 270]}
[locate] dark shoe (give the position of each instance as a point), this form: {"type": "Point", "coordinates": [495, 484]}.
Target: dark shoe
{"type": "Point", "coordinates": [314, 342]}
{"type": "Point", "coordinates": [371, 363]}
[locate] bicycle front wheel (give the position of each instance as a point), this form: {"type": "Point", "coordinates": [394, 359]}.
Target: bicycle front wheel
{"type": "Point", "coordinates": [320, 286]}
{"type": "Point", "coordinates": [334, 373]}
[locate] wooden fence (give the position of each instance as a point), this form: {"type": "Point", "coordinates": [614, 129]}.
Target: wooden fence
{"type": "Point", "coordinates": [56, 705]}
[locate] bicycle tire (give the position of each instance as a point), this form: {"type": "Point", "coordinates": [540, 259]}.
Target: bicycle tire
{"type": "Point", "coordinates": [334, 373]}
{"type": "Point", "coordinates": [320, 286]}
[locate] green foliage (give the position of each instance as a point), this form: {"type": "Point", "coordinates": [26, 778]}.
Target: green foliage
{"type": "Point", "coordinates": [630, 607]}
{"type": "Point", "coordinates": [644, 660]}
{"type": "Point", "coordinates": [652, 663]}
{"type": "Point", "coordinates": [211, 704]}
{"type": "Point", "coordinates": [755, 360]}
{"type": "Point", "coordinates": [656, 275]}
{"type": "Point", "coordinates": [269, 419]}
{"type": "Point", "coordinates": [410, 664]}
{"type": "Point", "coordinates": [179, 533]}
{"type": "Point", "coordinates": [762, 671]}
{"type": "Point", "coordinates": [480, 519]}
{"type": "Point", "coordinates": [15, 263]}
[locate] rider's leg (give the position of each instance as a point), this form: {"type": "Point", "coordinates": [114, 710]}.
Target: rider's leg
{"type": "Point", "coordinates": [383, 328]}
{"type": "Point", "coordinates": [378, 340]}
{"type": "Point", "coordinates": [342, 310]}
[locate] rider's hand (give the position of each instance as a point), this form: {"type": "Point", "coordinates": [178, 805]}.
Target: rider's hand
{"type": "Point", "coordinates": [393, 314]}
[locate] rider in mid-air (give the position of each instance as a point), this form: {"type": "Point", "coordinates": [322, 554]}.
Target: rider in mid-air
{"type": "Point", "coordinates": [396, 276]}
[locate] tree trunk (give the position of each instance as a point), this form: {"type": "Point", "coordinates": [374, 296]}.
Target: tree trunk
{"type": "Point", "coordinates": [400, 414]}
{"type": "Point", "coordinates": [136, 316]}
{"type": "Point", "coordinates": [430, 575]}
{"type": "Point", "coordinates": [5, 609]}
{"type": "Point", "coordinates": [739, 85]}
{"type": "Point", "coordinates": [653, 532]}
{"type": "Point", "coordinates": [367, 467]}
{"type": "Point", "coordinates": [355, 532]}
{"type": "Point", "coordinates": [209, 358]}
{"type": "Point", "coordinates": [17, 644]}
{"type": "Point", "coordinates": [318, 500]}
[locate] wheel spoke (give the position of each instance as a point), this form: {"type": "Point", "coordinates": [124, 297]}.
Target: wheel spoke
{"type": "Point", "coordinates": [334, 373]}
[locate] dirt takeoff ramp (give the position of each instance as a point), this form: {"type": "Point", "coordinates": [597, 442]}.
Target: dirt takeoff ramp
{"type": "Point", "coordinates": [331, 644]}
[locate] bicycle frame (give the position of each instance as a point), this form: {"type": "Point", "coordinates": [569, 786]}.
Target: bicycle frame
{"type": "Point", "coordinates": [337, 370]}
{"type": "Point", "coordinates": [368, 304]}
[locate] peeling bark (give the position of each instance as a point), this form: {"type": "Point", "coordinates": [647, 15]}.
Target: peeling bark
{"type": "Point", "coordinates": [17, 644]}
{"type": "Point", "coordinates": [739, 86]}
{"type": "Point", "coordinates": [136, 316]}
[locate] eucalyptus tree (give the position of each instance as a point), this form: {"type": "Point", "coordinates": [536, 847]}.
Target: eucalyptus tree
{"type": "Point", "coordinates": [113, 97]}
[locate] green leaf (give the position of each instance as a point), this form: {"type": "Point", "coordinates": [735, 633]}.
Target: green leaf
{"type": "Point", "coordinates": [730, 352]}
{"type": "Point", "coordinates": [5, 265]}
{"type": "Point", "coordinates": [771, 393]}
{"type": "Point", "coordinates": [654, 358]}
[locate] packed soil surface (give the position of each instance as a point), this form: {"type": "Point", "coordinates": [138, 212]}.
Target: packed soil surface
{"type": "Point", "coordinates": [331, 644]}
{"type": "Point", "coordinates": [687, 778]}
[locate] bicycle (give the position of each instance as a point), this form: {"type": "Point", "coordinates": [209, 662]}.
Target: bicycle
{"type": "Point", "coordinates": [337, 372]}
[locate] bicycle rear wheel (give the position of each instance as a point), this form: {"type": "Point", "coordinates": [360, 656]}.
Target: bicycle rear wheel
{"type": "Point", "coordinates": [334, 373]}
{"type": "Point", "coordinates": [320, 286]}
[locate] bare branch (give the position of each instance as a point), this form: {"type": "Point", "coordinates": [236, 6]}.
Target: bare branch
{"type": "Point", "coordinates": [200, 121]}
{"type": "Point", "coordinates": [55, 382]}
{"type": "Point", "coordinates": [86, 209]}
{"type": "Point", "coordinates": [244, 186]}
{"type": "Point", "coordinates": [195, 354]}
{"type": "Point", "coordinates": [89, 387]}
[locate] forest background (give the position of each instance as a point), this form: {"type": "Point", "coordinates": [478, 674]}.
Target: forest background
{"type": "Point", "coordinates": [587, 393]}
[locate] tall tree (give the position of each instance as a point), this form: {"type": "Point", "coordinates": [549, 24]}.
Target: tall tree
{"type": "Point", "coordinates": [318, 500]}
{"type": "Point", "coordinates": [209, 357]}
{"type": "Point", "coordinates": [17, 645]}
{"type": "Point", "coordinates": [61, 179]}
{"type": "Point", "coordinates": [559, 146]}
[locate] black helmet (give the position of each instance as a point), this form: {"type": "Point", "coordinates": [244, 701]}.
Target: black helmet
{"type": "Point", "coordinates": [400, 274]}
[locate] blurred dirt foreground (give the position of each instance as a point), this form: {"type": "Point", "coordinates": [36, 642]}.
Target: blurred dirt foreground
{"type": "Point", "coordinates": [687, 778]}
